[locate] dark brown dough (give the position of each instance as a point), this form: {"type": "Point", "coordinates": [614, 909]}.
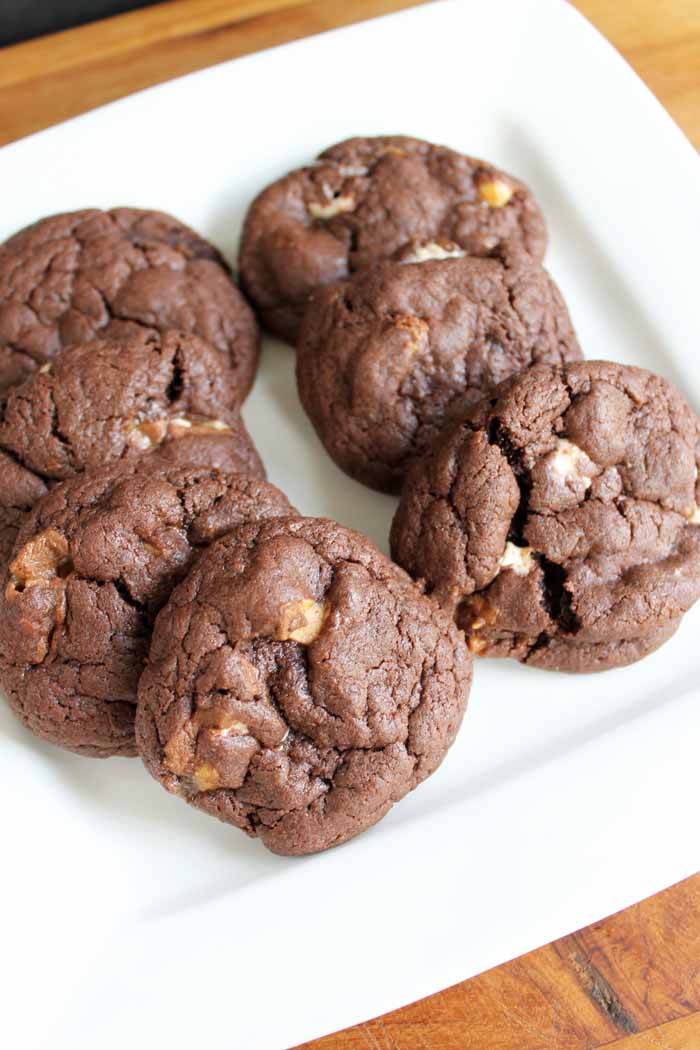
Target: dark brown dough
{"type": "Point", "coordinates": [298, 685]}
{"type": "Point", "coordinates": [386, 358]}
{"type": "Point", "coordinates": [363, 200]}
{"type": "Point", "coordinates": [116, 399]}
{"type": "Point", "coordinates": [562, 512]}
{"type": "Point", "coordinates": [562, 654]}
{"type": "Point", "coordinates": [69, 278]}
{"type": "Point", "coordinates": [94, 562]}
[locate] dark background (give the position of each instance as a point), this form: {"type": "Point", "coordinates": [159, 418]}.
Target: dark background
{"type": "Point", "coordinates": [22, 19]}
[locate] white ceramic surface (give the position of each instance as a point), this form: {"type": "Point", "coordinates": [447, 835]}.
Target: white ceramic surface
{"type": "Point", "coordinates": [130, 920]}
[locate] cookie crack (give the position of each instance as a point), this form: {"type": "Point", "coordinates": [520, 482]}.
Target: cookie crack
{"type": "Point", "coordinates": [55, 428]}
{"type": "Point", "coordinates": [126, 596]}
{"type": "Point", "coordinates": [557, 599]}
{"type": "Point", "coordinates": [497, 436]}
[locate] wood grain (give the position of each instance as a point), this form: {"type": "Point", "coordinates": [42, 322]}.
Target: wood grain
{"type": "Point", "coordinates": [631, 982]}
{"type": "Point", "coordinates": [50, 79]}
{"type": "Point", "coordinates": [623, 983]}
{"type": "Point", "coordinates": [104, 61]}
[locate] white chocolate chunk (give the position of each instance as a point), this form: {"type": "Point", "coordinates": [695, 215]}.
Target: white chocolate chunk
{"type": "Point", "coordinates": [335, 206]}
{"type": "Point", "coordinates": [232, 728]}
{"type": "Point", "coordinates": [495, 192]}
{"type": "Point", "coordinates": [566, 461]}
{"type": "Point", "coordinates": [180, 423]}
{"type": "Point", "coordinates": [186, 422]}
{"type": "Point", "coordinates": [519, 559]}
{"type": "Point", "coordinates": [147, 434]}
{"type": "Point", "coordinates": [694, 516]}
{"type": "Point", "coordinates": [349, 171]}
{"type": "Point", "coordinates": [433, 250]}
{"type": "Point", "coordinates": [152, 432]}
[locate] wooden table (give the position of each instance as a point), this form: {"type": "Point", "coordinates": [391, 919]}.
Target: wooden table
{"type": "Point", "coordinates": [631, 982]}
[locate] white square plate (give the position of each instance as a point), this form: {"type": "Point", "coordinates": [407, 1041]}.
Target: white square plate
{"type": "Point", "coordinates": [130, 919]}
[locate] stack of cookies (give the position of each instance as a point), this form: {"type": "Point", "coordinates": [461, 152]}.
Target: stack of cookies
{"type": "Point", "coordinates": [548, 505]}
{"type": "Point", "coordinates": [278, 671]}
{"type": "Point", "coordinates": [298, 682]}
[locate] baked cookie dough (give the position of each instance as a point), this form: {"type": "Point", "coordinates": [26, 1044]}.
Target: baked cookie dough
{"type": "Point", "coordinates": [365, 199]}
{"type": "Point", "coordinates": [384, 359]}
{"type": "Point", "coordinates": [559, 523]}
{"type": "Point", "coordinates": [93, 564]}
{"type": "Point", "coordinates": [112, 400]}
{"type": "Point", "coordinates": [298, 685]}
{"type": "Point", "coordinates": [69, 278]}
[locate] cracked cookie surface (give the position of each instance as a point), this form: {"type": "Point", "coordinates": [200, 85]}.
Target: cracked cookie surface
{"type": "Point", "coordinates": [94, 562]}
{"type": "Point", "coordinates": [365, 199]}
{"type": "Point", "coordinates": [71, 277]}
{"type": "Point", "coordinates": [386, 359]}
{"type": "Point", "coordinates": [117, 399]}
{"type": "Point", "coordinates": [559, 522]}
{"type": "Point", "coordinates": [298, 685]}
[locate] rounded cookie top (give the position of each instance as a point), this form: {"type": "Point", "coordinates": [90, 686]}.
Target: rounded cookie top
{"type": "Point", "coordinates": [71, 277]}
{"type": "Point", "coordinates": [565, 509]}
{"type": "Point", "coordinates": [386, 358]}
{"type": "Point", "coordinates": [114, 400]}
{"type": "Point", "coordinates": [298, 685]}
{"type": "Point", "coordinates": [363, 200]}
{"type": "Point", "coordinates": [93, 564]}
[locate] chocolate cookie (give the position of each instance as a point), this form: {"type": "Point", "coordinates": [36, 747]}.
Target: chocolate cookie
{"type": "Point", "coordinates": [298, 685]}
{"type": "Point", "coordinates": [94, 562]}
{"type": "Point", "coordinates": [386, 358]}
{"type": "Point", "coordinates": [116, 399]}
{"type": "Point", "coordinates": [559, 522]}
{"type": "Point", "coordinates": [71, 277]}
{"type": "Point", "coordinates": [362, 201]}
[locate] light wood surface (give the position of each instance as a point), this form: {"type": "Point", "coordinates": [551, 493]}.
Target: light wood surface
{"type": "Point", "coordinates": [631, 982]}
{"type": "Point", "coordinates": [50, 79]}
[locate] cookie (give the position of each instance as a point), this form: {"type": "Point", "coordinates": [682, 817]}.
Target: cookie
{"type": "Point", "coordinates": [363, 200]}
{"type": "Point", "coordinates": [560, 654]}
{"type": "Point", "coordinates": [69, 278]}
{"type": "Point", "coordinates": [559, 522]}
{"type": "Point", "coordinates": [116, 399]}
{"type": "Point", "coordinates": [298, 685]}
{"type": "Point", "coordinates": [94, 562]}
{"type": "Point", "coordinates": [386, 358]}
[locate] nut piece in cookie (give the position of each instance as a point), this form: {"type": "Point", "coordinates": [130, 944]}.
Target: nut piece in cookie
{"type": "Point", "coordinates": [70, 278]}
{"type": "Point", "coordinates": [94, 562]}
{"type": "Point", "coordinates": [113, 400]}
{"type": "Point", "coordinates": [557, 521]}
{"type": "Point", "coordinates": [366, 199]}
{"type": "Point", "coordinates": [386, 359]}
{"type": "Point", "coordinates": [319, 685]}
